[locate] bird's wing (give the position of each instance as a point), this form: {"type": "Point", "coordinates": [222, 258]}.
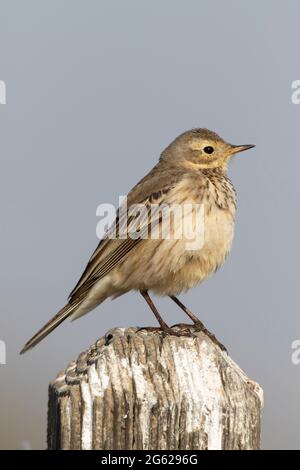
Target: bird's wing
{"type": "Point", "coordinates": [111, 251]}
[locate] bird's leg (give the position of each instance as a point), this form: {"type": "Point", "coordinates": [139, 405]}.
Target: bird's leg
{"type": "Point", "coordinates": [197, 322]}
{"type": "Point", "coordinates": [163, 325]}
{"type": "Point", "coordinates": [190, 314]}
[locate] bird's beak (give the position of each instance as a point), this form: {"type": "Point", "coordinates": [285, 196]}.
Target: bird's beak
{"type": "Point", "coordinates": [240, 148]}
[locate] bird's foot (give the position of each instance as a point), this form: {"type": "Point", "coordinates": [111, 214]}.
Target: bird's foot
{"type": "Point", "coordinates": [183, 325]}
{"type": "Point", "coordinates": [167, 331]}
{"type": "Point", "coordinates": [149, 328]}
{"type": "Point", "coordinates": [198, 325]}
{"type": "Point", "coordinates": [171, 332]}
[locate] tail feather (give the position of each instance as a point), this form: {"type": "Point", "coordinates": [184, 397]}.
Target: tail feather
{"type": "Point", "coordinates": [64, 313]}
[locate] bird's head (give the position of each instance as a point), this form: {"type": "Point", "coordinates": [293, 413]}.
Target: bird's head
{"type": "Point", "coordinates": [201, 149]}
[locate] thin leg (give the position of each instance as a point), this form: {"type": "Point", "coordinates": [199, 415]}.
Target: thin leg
{"type": "Point", "coordinates": [162, 323]}
{"type": "Point", "coordinates": [197, 322]}
{"type": "Point", "coordinates": [190, 314]}
{"type": "Point", "coordinates": [163, 326]}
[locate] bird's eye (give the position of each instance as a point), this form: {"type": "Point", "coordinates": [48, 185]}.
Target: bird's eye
{"type": "Point", "coordinates": [208, 149]}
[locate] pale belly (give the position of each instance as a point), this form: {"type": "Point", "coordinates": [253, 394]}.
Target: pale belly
{"type": "Point", "coordinates": [168, 267]}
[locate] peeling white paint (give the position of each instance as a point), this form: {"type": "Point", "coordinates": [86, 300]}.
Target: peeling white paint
{"type": "Point", "coordinates": [146, 396]}
{"type": "Point", "coordinates": [143, 391]}
{"type": "Point", "coordinates": [185, 372]}
{"type": "Point", "coordinates": [125, 364]}
{"type": "Point", "coordinates": [100, 377]}
{"type": "Point", "coordinates": [200, 385]}
{"type": "Point", "coordinates": [87, 418]}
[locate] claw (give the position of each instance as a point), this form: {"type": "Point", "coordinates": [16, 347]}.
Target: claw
{"type": "Point", "coordinates": [198, 326]}
{"type": "Point", "coordinates": [167, 331]}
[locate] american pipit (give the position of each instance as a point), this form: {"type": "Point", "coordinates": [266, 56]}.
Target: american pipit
{"type": "Point", "coordinates": [192, 169]}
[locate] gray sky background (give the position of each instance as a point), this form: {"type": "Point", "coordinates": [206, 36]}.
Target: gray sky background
{"type": "Point", "coordinates": [95, 90]}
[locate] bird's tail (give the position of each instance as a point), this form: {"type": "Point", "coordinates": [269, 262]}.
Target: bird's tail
{"type": "Point", "coordinates": [64, 313]}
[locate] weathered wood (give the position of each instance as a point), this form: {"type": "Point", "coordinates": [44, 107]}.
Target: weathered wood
{"type": "Point", "coordinates": [143, 390]}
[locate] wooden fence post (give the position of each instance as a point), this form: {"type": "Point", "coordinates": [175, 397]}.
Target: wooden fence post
{"type": "Point", "coordinates": [143, 390]}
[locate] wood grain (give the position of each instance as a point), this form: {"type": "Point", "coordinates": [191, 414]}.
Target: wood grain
{"type": "Point", "coordinates": [143, 390]}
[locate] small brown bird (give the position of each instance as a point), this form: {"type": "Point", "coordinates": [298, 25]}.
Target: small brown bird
{"type": "Point", "coordinates": [191, 170]}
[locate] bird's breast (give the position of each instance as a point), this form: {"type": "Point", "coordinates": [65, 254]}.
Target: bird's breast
{"type": "Point", "coordinates": [172, 265]}
{"type": "Point", "coordinates": [193, 259]}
